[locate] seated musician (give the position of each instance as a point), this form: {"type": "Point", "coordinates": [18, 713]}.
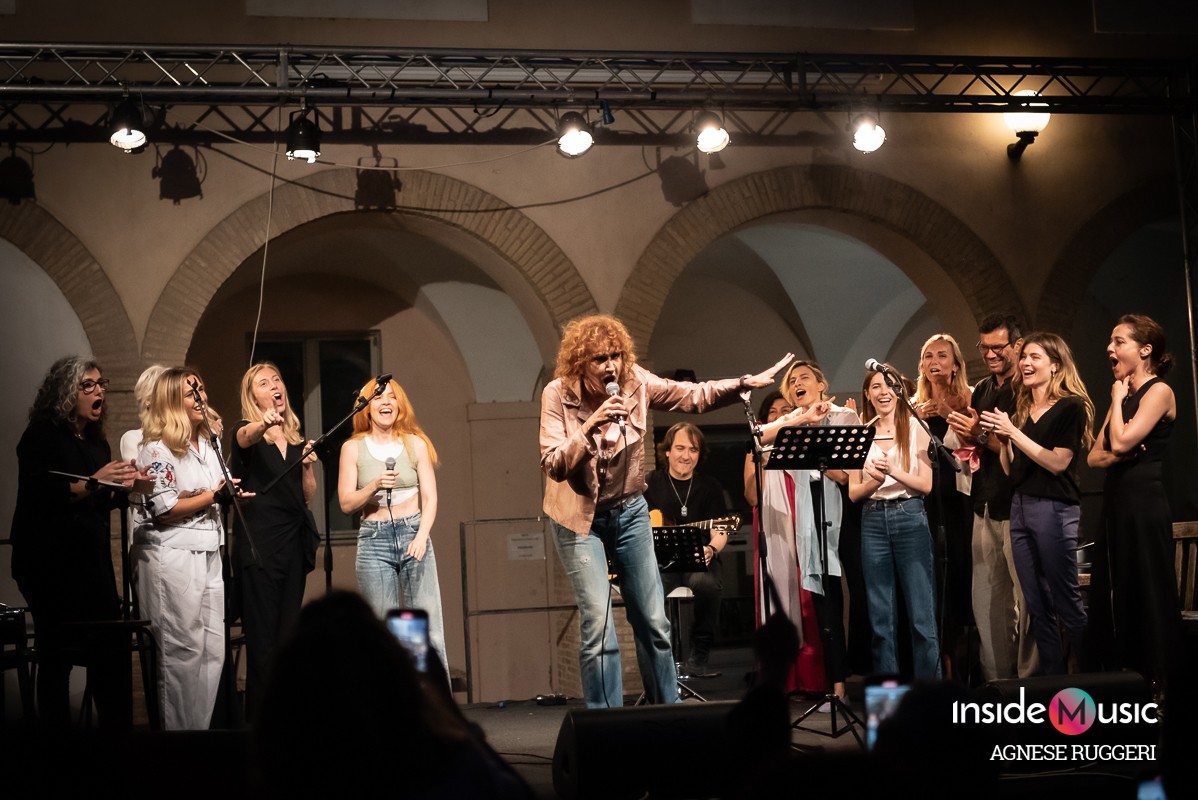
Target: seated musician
{"type": "Point", "coordinates": [681, 497]}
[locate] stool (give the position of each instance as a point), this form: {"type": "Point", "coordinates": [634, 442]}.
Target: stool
{"type": "Point", "coordinates": [15, 653]}
{"type": "Point", "coordinates": [674, 598]}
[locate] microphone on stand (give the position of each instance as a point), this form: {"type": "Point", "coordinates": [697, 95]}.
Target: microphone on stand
{"type": "Point", "coordinates": [893, 379]}
{"type": "Point", "coordinates": [381, 383]}
{"type": "Point", "coordinates": [390, 465]}
{"type": "Point", "coordinates": [613, 390]}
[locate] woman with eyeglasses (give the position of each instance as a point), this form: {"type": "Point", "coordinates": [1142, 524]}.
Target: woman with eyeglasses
{"type": "Point", "coordinates": [387, 476]}
{"type": "Point", "coordinates": [175, 554]}
{"type": "Point", "coordinates": [1133, 600]}
{"type": "Point", "coordinates": [1052, 423]}
{"type": "Point", "coordinates": [61, 540]}
{"type": "Point", "coordinates": [943, 389]}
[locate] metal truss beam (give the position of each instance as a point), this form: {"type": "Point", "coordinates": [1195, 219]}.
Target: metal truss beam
{"type": "Point", "coordinates": [61, 92]}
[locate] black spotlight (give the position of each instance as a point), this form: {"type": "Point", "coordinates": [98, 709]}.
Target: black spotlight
{"type": "Point", "coordinates": [303, 136]}
{"type": "Point", "coordinates": [127, 127]}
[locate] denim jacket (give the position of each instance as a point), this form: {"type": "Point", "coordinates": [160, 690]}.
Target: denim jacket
{"type": "Point", "coordinates": [569, 455]}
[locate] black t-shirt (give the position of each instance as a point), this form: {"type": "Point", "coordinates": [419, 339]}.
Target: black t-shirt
{"type": "Point", "coordinates": [991, 491]}
{"type": "Point", "coordinates": [702, 496]}
{"type": "Point", "coordinates": [1062, 425]}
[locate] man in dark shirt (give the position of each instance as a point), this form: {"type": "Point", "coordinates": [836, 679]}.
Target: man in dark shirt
{"type": "Point", "coordinates": [1007, 647]}
{"type": "Point", "coordinates": [683, 497]}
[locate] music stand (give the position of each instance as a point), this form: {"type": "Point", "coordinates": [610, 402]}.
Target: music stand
{"type": "Point", "coordinates": [822, 448]}
{"type": "Point", "coordinates": [679, 548]}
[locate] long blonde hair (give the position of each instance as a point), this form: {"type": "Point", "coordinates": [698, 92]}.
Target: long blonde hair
{"type": "Point", "coordinates": [405, 418]}
{"type": "Point", "coordinates": [251, 412]}
{"type": "Point", "coordinates": [958, 385]}
{"type": "Point", "coordinates": [166, 419]}
{"type": "Point", "coordinates": [1064, 382]}
{"type": "Point", "coordinates": [902, 416]}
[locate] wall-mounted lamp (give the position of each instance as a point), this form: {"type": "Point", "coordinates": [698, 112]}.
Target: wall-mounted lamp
{"type": "Point", "coordinates": [128, 127]}
{"type": "Point", "coordinates": [1027, 125]}
{"type": "Point", "coordinates": [868, 135]}
{"type": "Point", "coordinates": [710, 136]}
{"type": "Point", "coordinates": [574, 135]}
{"type": "Point", "coordinates": [303, 136]}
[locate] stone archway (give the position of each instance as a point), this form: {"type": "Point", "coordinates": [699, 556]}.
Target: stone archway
{"type": "Point", "coordinates": [930, 226]}
{"type": "Point", "coordinates": [86, 287]}
{"type": "Point", "coordinates": [1093, 241]}
{"type": "Point", "coordinates": [552, 276]}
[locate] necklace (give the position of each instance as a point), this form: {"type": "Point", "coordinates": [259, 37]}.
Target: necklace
{"type": "Point", "coordinates": [682, 503]}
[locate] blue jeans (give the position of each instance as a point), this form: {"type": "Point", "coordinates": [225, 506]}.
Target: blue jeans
{"type": "Point", "coordinates": [390, 578]}
{"type": "Point", "coordinates": [896, 554]}
{"type": "Point", "coordinates": [623, 530]}
{"type": "Point", "coordinates": [1044, 548]}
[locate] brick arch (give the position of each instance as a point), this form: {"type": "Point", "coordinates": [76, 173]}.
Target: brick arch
{"type": "Point", "coordinates": [85, 285]}
{"type": "Point", "coordinates": [524, 244]}
{"type": "Point", "coordinates": [967, 260]}
{"type": "Point", "coordinates": [1081, 258]}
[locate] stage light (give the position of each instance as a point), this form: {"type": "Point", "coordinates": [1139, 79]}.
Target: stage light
{"type": "Point", "coordinates": [868, 135]}
{"type": "Point", "coordinates": [303, 136]}
{"type": "Point", "coordinates": [128, 127]}
{"type": "Point", "coordinates": [710, 136]}
{"type": "Point", "coordinates": [606, 117]}
{"type": "Point", "coordinates": [574, 135]}
{"type": "Point", "coordinates": [1027, 125]}
{"type": "Point", "coordinates": [16, 179]}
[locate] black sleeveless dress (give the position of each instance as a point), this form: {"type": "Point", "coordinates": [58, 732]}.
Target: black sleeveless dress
{"type": "Point", "coordinates": [1134, 594]}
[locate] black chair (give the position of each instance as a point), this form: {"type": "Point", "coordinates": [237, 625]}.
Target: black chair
{"type": "Point", "coordinates": [16, 654]}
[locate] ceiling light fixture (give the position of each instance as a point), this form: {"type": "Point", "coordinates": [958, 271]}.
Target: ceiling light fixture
{"type": "Point", "coordinates": [575, 135]}
{"type": "Point", "coordinates": [710, 136]}
{"type": "Point", "coordinates": [303, 136]}
{"type": "Point", "coordinates": [868, 135]}
{"type": "Point", "coordinates": [128, 127]}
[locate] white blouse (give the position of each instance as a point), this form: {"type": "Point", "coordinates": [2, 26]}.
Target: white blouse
{"type": "Point", "coordinates": [176, 477]}
{"type": "Point", "coordinates": [890, 488]}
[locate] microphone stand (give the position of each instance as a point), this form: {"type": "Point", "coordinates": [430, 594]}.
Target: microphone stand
{"type": "Point", "coordinates": [229, 677]}
{"type": "Point", "coordinates": [767, 591]}
{"type": "Point", "coordinates": [936, 450]}
{"type": "Point", "coordinates": [358, 406]}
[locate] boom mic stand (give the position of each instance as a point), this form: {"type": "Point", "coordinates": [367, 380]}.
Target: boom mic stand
{"type": "Point", "coordinates": [767, 590]}
{"type": "Point", "coordinates": [228, 676]}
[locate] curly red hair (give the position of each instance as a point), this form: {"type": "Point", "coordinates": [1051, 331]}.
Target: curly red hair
{"type": "Point", "coordinates": [590, 336]}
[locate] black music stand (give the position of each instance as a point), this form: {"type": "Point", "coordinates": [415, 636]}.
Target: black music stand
{"type": "Point", "coordinates": [679, 548]}
{"type": "Point", "coordinates": [823, 448]}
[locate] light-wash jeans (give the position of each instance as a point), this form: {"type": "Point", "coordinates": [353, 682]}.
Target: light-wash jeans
{"type": "Point", "coordinates": [623, 530]}
{"type": "Point", "coordinates": [390, 578]}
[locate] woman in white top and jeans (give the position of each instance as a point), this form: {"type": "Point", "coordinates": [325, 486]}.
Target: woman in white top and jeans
{"type": "Point", "coordinates": [175, 552]}
{"type": "Point", "coordinates": [398, 503]}
{"type": "Point", "coordinates": [896, 544]}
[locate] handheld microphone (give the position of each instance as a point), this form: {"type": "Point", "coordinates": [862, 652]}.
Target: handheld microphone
{"type": "Point", "coordinates": [390, 465]}
{"type": "Point", "coordinates": [613, 390]}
